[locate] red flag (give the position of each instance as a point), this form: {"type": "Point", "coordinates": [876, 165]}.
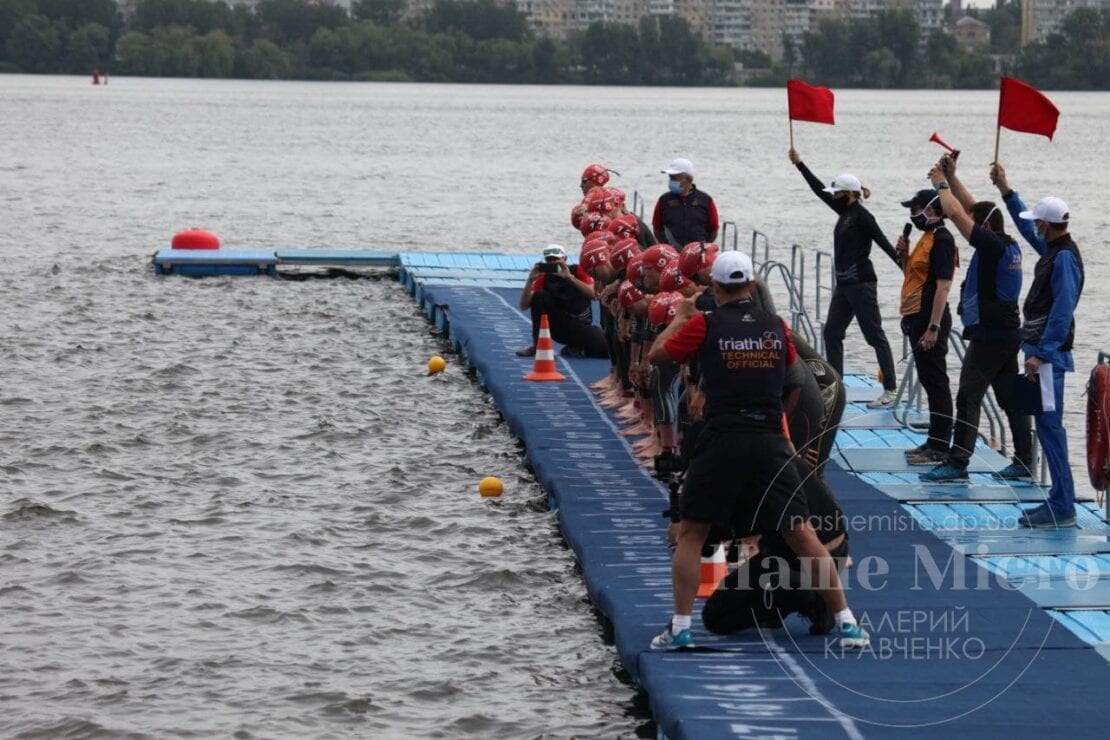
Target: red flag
{"type": "Point", "coordinates": [1022, 107]}
{"type": "Point", "coordinates": [808, 103]}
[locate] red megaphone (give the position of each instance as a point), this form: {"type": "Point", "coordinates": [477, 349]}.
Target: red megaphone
{"type": "Point", "coordinates": [937, 140]}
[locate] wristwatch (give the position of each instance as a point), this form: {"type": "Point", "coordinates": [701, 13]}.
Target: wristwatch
{"type": "Point", "coordinates": [941, 186]}
{"type": "Point", "coordinates": [934, 327]}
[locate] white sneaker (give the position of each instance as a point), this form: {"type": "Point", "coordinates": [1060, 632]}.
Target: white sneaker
{"type": "Point", "coordinates": [886, 400]}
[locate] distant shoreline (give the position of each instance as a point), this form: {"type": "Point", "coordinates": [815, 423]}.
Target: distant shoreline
{"type": "Point", "coordinates": [734, 86]}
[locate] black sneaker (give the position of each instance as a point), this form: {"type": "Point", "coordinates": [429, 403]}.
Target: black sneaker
{"type": "Point", "coordinates": [570, 351]}
{"type": "Point", "coordinates": [1013, 471]}
{"type": "Point", "coordinates": [529, 351]}
{"type": "Point", "coordinates": [913, 451]}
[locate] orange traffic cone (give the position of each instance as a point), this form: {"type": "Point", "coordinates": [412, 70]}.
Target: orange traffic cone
{"type": "Point", "coordinates": [714, 568]}
{"type": "Point", "coordinates": [544, 366]}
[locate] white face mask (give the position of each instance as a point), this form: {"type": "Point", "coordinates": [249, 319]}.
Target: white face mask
{"type": "Point", "coordinates": [986, 219]}
{"type": "Point", "coordinates": [922, 220]}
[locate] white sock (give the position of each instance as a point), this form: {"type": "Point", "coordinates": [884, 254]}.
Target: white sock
{"type": "Point", "coordinates": [845, 617]}
{"type": "Point", "coordinates": [680, 622]}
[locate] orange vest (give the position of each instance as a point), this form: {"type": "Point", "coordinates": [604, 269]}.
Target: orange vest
{"type": "Point", "coordinates": [917, 274]}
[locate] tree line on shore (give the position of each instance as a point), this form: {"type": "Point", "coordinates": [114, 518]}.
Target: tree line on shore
{"type": "Point", "coordinates": [483, 41]}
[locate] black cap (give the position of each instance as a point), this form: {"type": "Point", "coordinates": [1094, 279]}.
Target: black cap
{"type": "Point", "coordinates": [921, 199]}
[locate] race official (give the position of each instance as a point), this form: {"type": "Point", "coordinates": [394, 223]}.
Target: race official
{"type": "Point", "coordinates": [684, 214]}
{"type": "Point", "coordinates": [988, 308]}
{"type": "Point", "coordinates": [1047, 336]}
{"type": "Point", "coordinates": [742, 474]}
{"type": "Point", "coordinates": [926, 320]}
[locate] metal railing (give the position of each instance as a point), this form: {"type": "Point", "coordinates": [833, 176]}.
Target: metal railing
{"type": "Point", "coordinates": [911, 395]}
{"type": "Point", "coordinates": [729, 229]}
{"type": "Point", "coordinates": [910, 392]}
{"type": "Point", "coordinates": [800, 321]}
{"type": "Point", "coordinates": [824, 265]}
{"type": "Point", "coordinates": [638, 204]}
{"type": "Point", "coordinates": [759, 238]}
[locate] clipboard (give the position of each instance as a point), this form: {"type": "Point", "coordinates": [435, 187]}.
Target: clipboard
{"type": "Point", "coordinates": [1025, 395]}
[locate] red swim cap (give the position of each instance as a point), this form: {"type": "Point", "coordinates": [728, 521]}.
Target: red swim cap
{"type": "Point", "coordinates": [594, 254]}
{"type": "Point", "coordinates": [634, 270]}
{"type": "Point", "coordinates": [629, 294]}
{"type": "Point", "coordinates": [577, 213]}
{"type": "Point", "coordinates": [596, 173]}
{"type": "Point", "coordinates": [657, 257]}
{"type": "Point", "coordinates": [623, 251]}
{"type": "Point", "coordinates": [697, 255]}
{"type": "Point", "coordinates": [593, 222]}
{"type": "Point", "coordinates": [599, 200]}
{"type": "Point", "coordinates": [672, 279]}
{"type": "Point", "coordinates": [663, 308]}
{"type": "Point", "coordinates": [625, 226]}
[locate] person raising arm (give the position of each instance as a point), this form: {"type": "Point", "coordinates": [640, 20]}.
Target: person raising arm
{"type": "Point", "coordinates": [856, 292]}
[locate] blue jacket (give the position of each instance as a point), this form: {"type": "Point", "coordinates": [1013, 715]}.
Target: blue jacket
{"type": "Point", "coordinates": [990, 292]}
{"type": "Point", "coordinates": [1053, 343]}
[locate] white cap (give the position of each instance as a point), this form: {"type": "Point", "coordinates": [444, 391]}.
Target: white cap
{"type": "Point", "coordinates": [554, 250]}
{"type": "Point", "coordinates": [845, 182]}
{"type": "Point", "coordinates": [1052, 210]}
{"type": "Point", "coordinates": [732, 268]}
{"type": "Point", "coordinates": [680, 167]}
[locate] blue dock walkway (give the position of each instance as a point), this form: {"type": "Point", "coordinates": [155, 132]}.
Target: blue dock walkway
{"type": "Point", "coordinates": [1012, 649]}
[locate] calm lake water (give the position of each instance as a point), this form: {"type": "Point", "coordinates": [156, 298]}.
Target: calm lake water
{"type": "Point", "coordinates": [237, 506]}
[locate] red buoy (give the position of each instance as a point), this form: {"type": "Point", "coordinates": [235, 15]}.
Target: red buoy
{"type": "Point", "coordinates": [195, 239]}
{"type": "Point", "coordinates": [1098, 427]}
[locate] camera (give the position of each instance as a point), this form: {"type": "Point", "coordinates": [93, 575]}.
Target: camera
{"type": "Point", "coordinates": [666, 464]}
{"type": "Point", "coordinates": [548, 268]}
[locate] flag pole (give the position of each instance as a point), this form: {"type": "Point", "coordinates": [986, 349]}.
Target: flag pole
{"type": "Point", "coordinates": [791, 133]}
{"type": "Point", "coordinates": [997, 141]}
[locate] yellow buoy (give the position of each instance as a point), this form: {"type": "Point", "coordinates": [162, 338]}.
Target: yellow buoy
{"type": "Point", "coordinates": [490, 487]}
{"type": "Point", "coordinates": [436, 365]}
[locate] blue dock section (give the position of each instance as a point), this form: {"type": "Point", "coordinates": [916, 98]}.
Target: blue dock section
{"type": "Point", "coordinates": [1020, 659]}
{"type": "Point", "coordinates": [980, 629]}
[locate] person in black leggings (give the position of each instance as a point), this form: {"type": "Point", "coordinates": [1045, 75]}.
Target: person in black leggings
{"type": "Point", "coordinates": [856, 291]}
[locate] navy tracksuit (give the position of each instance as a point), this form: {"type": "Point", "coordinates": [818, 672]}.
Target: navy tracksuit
{"type": "Point", "coordinates": [1048, 334]}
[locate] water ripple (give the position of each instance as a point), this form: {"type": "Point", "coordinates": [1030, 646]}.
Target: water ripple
{"type": "Point", "coordinates": [261, 522]}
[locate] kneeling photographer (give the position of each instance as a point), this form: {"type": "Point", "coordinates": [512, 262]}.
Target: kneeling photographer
{"type": "Point", "coordinates": [565, 293]}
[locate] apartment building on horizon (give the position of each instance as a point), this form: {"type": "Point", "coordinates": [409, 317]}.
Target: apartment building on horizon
{"type": "Point", "coordinates": [1041, 18]}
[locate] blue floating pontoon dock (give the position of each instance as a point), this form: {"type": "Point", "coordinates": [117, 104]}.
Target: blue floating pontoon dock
{"type": "Point", "coordinates": [1025, 655]}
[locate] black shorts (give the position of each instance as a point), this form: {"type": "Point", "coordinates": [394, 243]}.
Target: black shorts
{"type": "Point", "coordinates": [744, 479]}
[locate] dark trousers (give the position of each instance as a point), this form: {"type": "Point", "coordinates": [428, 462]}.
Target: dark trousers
{"type": "Point", "coordinates": [988, 365]}
{"type": "Point", "coordinates": [932, 373]}
{"type": "Point", "coordinates": [861, 302]}
{"type": "Point", "coordinates": [566, 328]}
